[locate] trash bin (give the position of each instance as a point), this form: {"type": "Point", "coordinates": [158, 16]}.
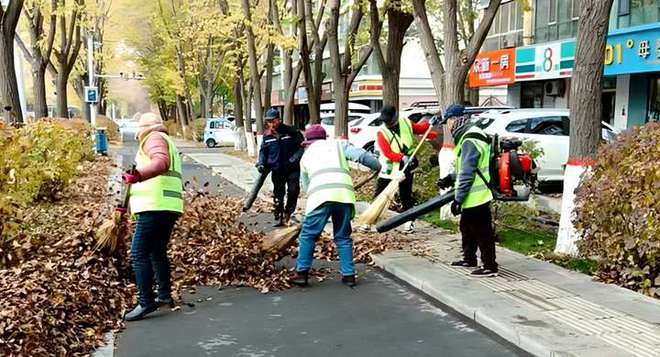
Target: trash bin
{"type": "Point", "coordinates": [101, 141]}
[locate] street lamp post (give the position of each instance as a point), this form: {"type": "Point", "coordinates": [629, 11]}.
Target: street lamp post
{"type": "Point", "coordinates": [90, 76]}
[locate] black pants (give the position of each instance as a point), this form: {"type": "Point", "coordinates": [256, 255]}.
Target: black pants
{"type": "Point", "coordinates": [286, 183]}
{"type": "Point", "coordinates": [405, 190]}
{"type": "Point", "coordinates": [477, 232]}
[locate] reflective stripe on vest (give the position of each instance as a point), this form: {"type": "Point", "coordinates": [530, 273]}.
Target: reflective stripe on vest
{"type": "Point", "coordinates": [405, 138]}
{"type": "Point", "coordinates": [160, 193]}
{"type": "Point", "coordinates": [329, 175]}
{"type": "Point", "coordinates": [479, 192]}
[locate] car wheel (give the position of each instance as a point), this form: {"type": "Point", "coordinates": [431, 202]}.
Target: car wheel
{"type": "Point", "coordinates": [370, 147]}
{"type": "Point", "coordinates": [210, 143]}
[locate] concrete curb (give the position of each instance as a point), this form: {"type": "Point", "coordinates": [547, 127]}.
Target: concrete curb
{"type": "Point", "coordinates": [516, 323]}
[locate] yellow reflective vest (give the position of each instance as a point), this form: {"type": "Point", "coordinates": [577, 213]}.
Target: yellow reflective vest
{"type": "Point", "coordinates": [160, 193]}
{"type": "Point", "coordinates": [479, 192]}
{"type": "Point", "coordinates": [325, 167]}
{"type": "Point", "coordinates": [404, 138]}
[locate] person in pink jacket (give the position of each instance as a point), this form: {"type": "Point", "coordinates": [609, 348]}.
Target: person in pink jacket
{"type": "Point", "coordinates": [156, 199]}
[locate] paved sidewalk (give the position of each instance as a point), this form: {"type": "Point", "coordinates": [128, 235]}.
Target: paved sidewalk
{"type": "Point", "coordinates": [542, 308]}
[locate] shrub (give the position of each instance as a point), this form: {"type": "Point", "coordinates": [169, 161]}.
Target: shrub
{"type": "Point", "coordinates": [618, 210]}
{"type": "Point", "coordinates": [36, 162]}
{"type": "Point", "coordinates": [197, 129]}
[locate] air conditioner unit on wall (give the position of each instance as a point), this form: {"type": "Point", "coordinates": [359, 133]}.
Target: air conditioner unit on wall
{"type": "Point", "coordinates": [555, 88]}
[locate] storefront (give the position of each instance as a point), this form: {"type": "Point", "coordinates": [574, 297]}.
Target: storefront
{"type": "Point", "coordinates": [492, 72]}
{"type": "Point", "coordinates": [632, 56]}
{"type": "Point", "coordinates": [543, 75]}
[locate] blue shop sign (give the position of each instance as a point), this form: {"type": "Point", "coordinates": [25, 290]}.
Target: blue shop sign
{"type": "Point", "coordinates": [633, 50]}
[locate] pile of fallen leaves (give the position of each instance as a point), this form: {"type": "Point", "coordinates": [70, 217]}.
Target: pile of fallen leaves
{"type": "Point", "coordinates": [60, 297]}
{"type": "Point", "coordinates": [210, 247]}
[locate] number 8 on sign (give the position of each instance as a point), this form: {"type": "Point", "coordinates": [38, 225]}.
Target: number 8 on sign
{"type": "Point", "coordinates": [547, 63]}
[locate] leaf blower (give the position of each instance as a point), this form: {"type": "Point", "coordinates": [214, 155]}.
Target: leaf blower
{"type": "Point", "coordinates": [511, 177]}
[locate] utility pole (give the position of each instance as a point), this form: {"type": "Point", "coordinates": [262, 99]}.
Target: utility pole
{"type": "Point", "coordinates": [90, 76]}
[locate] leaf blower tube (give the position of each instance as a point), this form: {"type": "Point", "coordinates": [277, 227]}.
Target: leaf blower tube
{"type": "Point", "coordinates": [412, 213]}
{"type": "Point", "coordinates": [249, 200]}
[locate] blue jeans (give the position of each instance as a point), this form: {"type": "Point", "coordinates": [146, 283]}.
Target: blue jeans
{"type": "Point", "coordinates": [312, 227]}
{"type": "Point", "coordinates": [149, 254]}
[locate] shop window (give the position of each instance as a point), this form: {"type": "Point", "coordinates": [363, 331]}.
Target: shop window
{"type": "Point", "coordinates": [637, 12]}
{"type": "Point", "coordinates": [556, 19]}
{"type": "Point", "coordinates": [518, 126]}
{"type": "Point", "coordinates": [624, 7]}
{"type": "Point", "coordinates": [506, 30]}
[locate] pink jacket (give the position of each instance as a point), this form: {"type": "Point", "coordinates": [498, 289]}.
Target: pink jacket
{"type": "Point", "coordinates": [156, 148]}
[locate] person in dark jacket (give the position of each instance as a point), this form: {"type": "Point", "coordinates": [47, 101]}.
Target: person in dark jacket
{"type": "Point", "coordinates": [280, 154]}
{"type": "Point", "coordinates": [472, 195]}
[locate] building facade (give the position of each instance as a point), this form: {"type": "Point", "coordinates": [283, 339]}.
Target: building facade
{"type": "Point", "coordinates": [541, 52]}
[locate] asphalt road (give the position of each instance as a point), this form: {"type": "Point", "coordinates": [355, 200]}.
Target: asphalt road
{"type": "Point", "coordinates": [380, 317]}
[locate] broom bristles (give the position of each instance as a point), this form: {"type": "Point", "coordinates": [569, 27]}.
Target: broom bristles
{"type": "Point", "coordinates": [375, 210]}
{"type": "Point", "coordinates": [109, 233]}
{"type": "Point", "coordinates": [280, 239]}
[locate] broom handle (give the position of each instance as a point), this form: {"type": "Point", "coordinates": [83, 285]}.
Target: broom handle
{"type": "Point", "coordinates": [418, 146]}
{"type": "Point", "coordinates": [127, 192]}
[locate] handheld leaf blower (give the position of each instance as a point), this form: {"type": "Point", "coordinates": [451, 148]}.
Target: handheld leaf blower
{"type": "Point", "coordinates": [512, 174]}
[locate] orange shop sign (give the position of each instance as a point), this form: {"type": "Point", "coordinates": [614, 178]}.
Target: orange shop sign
{"type": "Point", "coordinates": [493, 68]}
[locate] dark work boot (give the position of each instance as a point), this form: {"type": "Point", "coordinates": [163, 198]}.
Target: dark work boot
{"type": "Point", "coordinates": [300, 278]}
{"type": "Point", "coordinates": [349, 280]}
{"type": "Point", "coordinates": [139, 312]}
{"type": "Point", "coordinates": [165, 302]}
{"type": "Point", "coordinates": [464, 264]}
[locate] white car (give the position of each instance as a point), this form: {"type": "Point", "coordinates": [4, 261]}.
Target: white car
{"type": "Point", "coordinates": [219, 131]}
{"type": "Point", "coordinates": [362, 132]}
{"type": "Point", "coordinates": [549, 128]}
{"type": "Point", "coordinates": [328, 122]}
{"type": "Point", "coordinates": [329, 108]}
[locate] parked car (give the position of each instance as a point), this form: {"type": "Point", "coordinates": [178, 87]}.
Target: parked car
{"type": "Point", "coordinates": [422, 110]}
{"type": "Point", "coordinates": [362, 132]}
{"type": "Point", "coordinates": [328, 122]}
{"type": "Point", "coordinates": [549, 128]}
{"type": "Point", "coordinates": [329, 108]}
{"type": "Point", "coordinates": [219, 131]}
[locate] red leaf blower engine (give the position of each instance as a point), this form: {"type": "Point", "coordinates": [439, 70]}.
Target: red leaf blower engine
{"type": "Point", "coordinates": [511, 177]}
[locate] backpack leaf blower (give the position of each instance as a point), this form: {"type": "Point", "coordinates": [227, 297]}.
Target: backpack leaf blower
{"type": "Point", "coordinates": [511, 177]}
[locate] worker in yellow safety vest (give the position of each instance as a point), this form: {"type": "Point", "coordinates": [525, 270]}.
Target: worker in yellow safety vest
{"type": "Point", "coordinates": [395, 143]}
{"type": "Point", "coordinates": [472, 195]}
{"type": "Point", "coordinates": [157, 202]}
{"type": "Point", "coordinates": [330, 194]}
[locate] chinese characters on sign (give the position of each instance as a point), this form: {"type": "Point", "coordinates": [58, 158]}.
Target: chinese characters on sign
{"type": "Point", "coordinates": [633, 51]}
{"type": "Point", "coordinates": [492, 69]}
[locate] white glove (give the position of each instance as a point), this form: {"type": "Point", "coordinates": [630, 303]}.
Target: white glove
{"type": "Point", "coordinates": [399, 176]}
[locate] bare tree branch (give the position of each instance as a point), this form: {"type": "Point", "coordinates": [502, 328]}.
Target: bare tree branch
{"type": "Point", "coordinates": [482, 31]}
{"type": "Point", "coordinates": [376, 27]}
{"type": "Point", "coordinates": [366, 52]}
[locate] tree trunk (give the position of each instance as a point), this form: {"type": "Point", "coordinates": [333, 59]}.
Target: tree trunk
{"type": "Point", "coordinates": [586, 100]}
{"type": "Point", "coordinates": [238, 104]}
{"type": "Point", "coordinates": [390, 64]}
{"type": "Point", "coordinates": [62, 96]}
{"type": "Point", "coordinates": [254, 69]}
{"type": "Point", "coordinates": [341, 110]}
{"type": "Point", "coordinates": [586, 110]}
{"type": "Point", "coordinates": [312, 100]}
{"type": "Point", "coordinates": [39, 91]}
{"type": "Point", "coordinates": [270, 53]}
{"type": "Point", "coordinates": [8, 83]}
{"type": "Point", "coordinates": [182, 112]}
{"type": "Point", "coordinates": [288, 73]}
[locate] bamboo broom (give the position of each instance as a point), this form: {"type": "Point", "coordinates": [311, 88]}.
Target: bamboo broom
{"type": "Point", "coordinates": [375, 210]}
{"type": "Point", "coordinates": [280, 239]}
{"type": "Point", "coordinates": [111, 231]}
